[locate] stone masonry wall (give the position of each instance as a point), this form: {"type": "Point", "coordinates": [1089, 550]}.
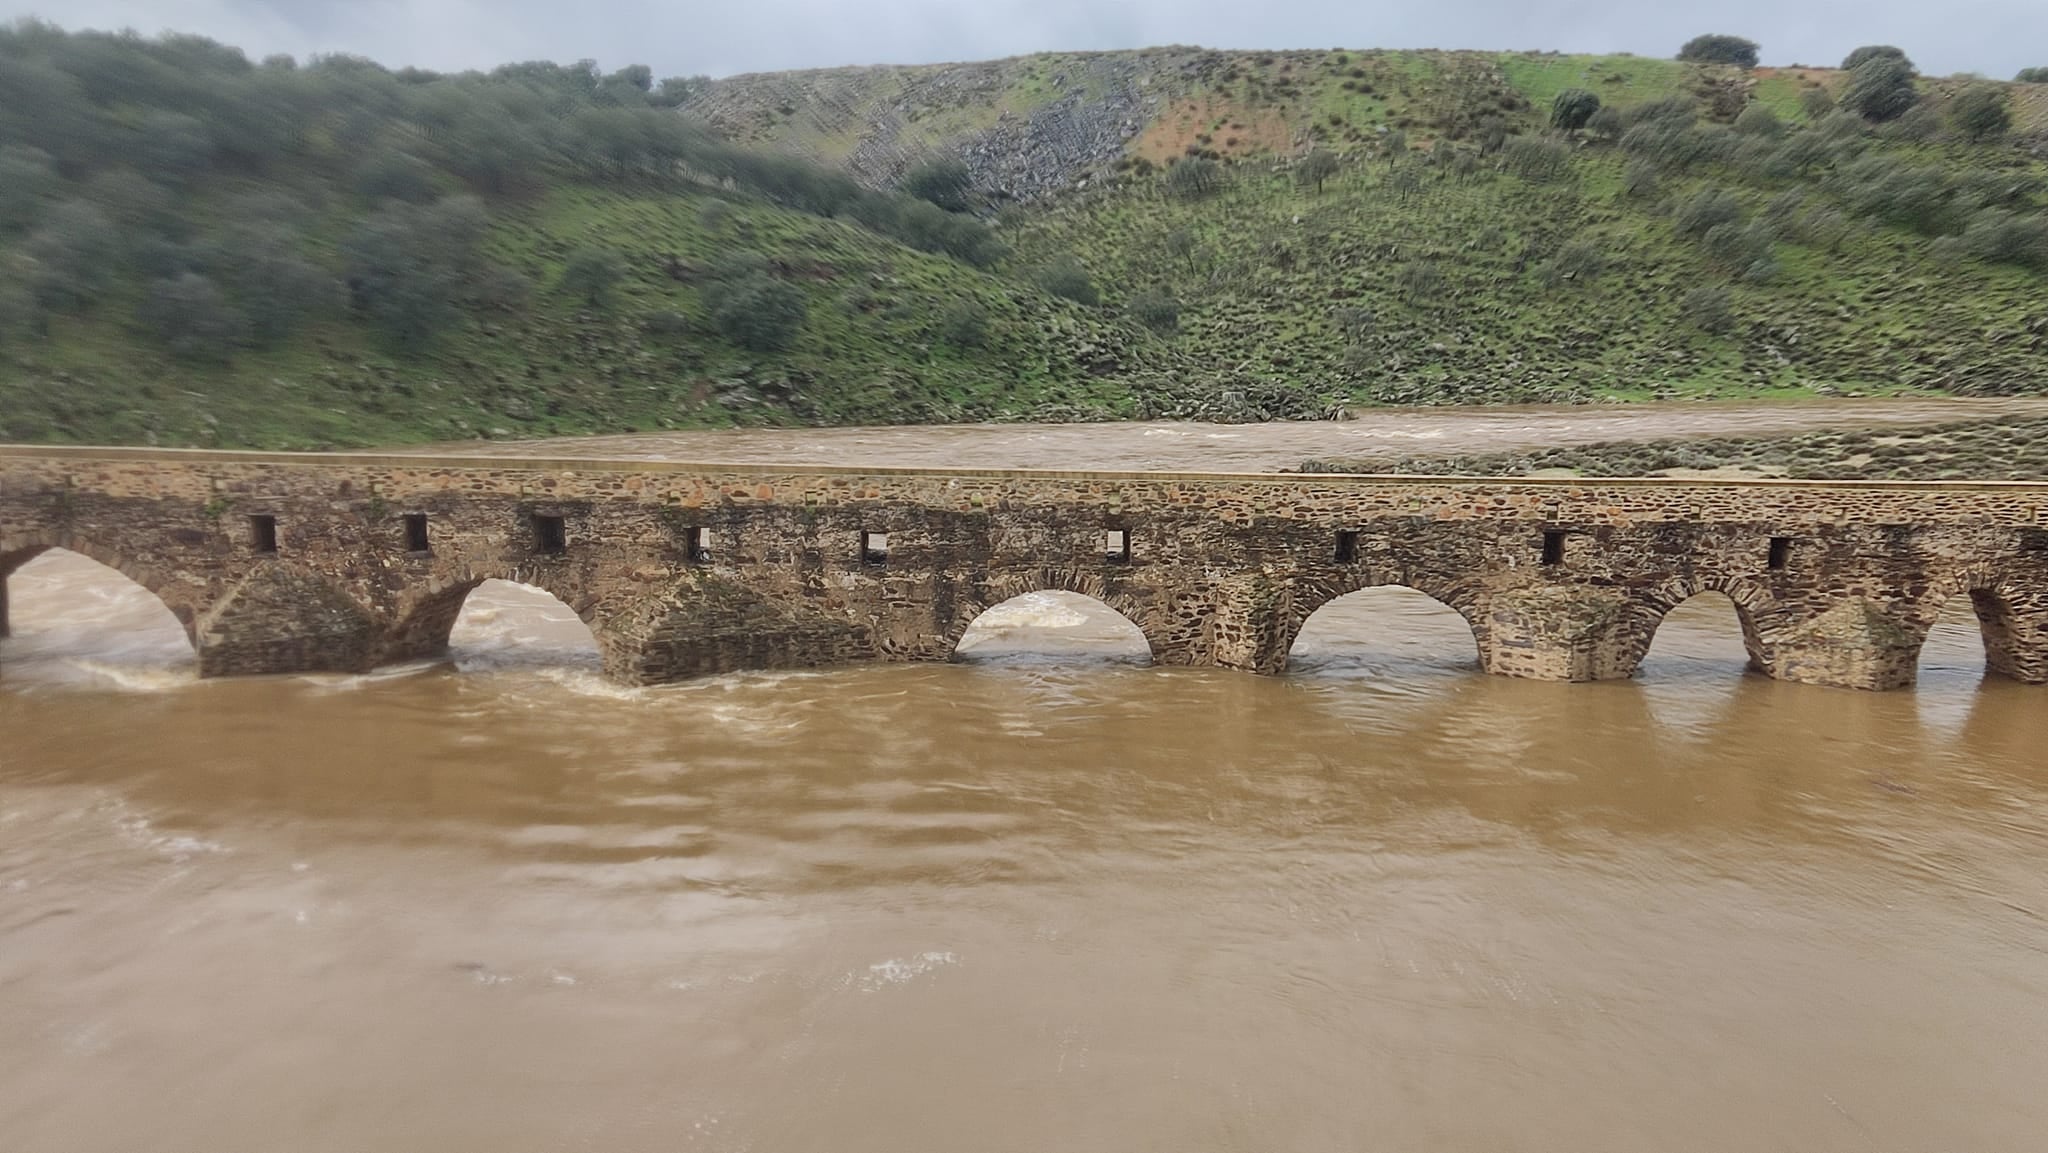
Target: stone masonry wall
{"type": "Point", "coordinates": [685, 569]}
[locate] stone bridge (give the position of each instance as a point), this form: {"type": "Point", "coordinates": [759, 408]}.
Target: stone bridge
{"type": "Point", "coordinates": [281, 562]}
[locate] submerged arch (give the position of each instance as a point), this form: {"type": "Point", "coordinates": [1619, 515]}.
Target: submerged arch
{"type": "Point", "coordinates": [497, 621]}
{"type": "Point", "coordinates": [1052, 624]}
{"type": "Point", "coordinates": [60, 601]}
{"type": "Point", "coordinates": [1383, 626]}
{"type": "Point", "coordinates": [1985, 619]}
{"type": "Point", "coordinates": [1694, 632]}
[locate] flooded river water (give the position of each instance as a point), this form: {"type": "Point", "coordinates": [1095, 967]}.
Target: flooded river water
{"type": "Point", "coordinates": [1043, 898]}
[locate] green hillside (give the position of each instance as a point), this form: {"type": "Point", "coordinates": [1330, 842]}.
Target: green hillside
{"type": "Point", "coordinates": [195, 249]}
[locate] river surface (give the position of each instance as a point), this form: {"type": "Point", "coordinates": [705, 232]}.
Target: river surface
{"type": "Point", "coordinates": [1044, 898]}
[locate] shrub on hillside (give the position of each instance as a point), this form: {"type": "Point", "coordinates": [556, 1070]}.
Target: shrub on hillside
{"type": "Point", "coordinates": [1881, 89]}
{"type": "Point", "coordinates": [20, 317]}
{"type": "Point", "coordinates": [1420, 280]}
{"type": "Point", "coordinates": [1997, 235]}
{"type": "Point", "coordinates": [259, 260]}
{"type": "Point", "coordinates": [73, 250]}
{"type": "Point", "coordinates": [1640, 180]}
{"type": "Point", "coordinates": [1156, 309]}
{"type": "Point", "coordinates": [1716, 49]}
{"type": "Point", "coordinates": [1605, 124]}
{"type": "Point", "coordinates": [408, 265]}
{"type": "Point", "coordinates": [1705, 210]}
{"type": "Point", "coordinates": [760, 313]}
{"type": "Point", "coordinates": [964, 325]}
{"type": "Point", "coordinates": [1579, 262]}
{"type": "Point", "coordinates": [1192, 177]}
{"type": "Point", "coordinates": [1708, 308]}
{"type": "Point", "coordinates": [27, 182]}
{"type": "Point", "coordinates": [1573, 109]}
{"type": "Point", "coordinates": [1535, 159]}
{"type": "Point", "coordinates": [192, 317]}
{"type": "Point", "coordinates": [395, 175]}
{"type": "Point", "coordinates": [1679, 144]}
{"type": "Point", "coordinates": [1894, 190]}
{"type": "Point", "coordinates": [2032, 76]}
{"type": "Point", "coordinates": [1981, 112]}
{"type": "Point", "coordinates": [1816, 102]}
{"type": "Point", "coordinates": [945, 182]}
{"type": "Point", "coordinates": [1759, 120]}
{"type": "Point", "coordinates": [1739, 246]}
{"type": "Point", "coordinates": [1920, 123]}
{"type": "Point", "coordinates": [1066, 279]}
{"type": "Point", "coordinates": [591, 272]}
{"type": "Point", "coordinates": [1678, 110]}
{"type": "Point", "coordinates": [929, 228]}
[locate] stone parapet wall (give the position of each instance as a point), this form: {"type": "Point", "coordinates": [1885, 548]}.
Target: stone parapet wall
{"type": "Point", "coordinates": [684, 569]}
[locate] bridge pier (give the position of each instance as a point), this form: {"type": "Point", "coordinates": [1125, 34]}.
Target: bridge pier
{"type": "Point", "coordinates": [708, 623]}
{"type": "Point", "coordinates": [1564, 633]}
{"type": "Point", "coordinates": [1855, 644]}
{"type": "Point", "coordinates": [2015, 627]}
{"type": "Point", "coordinates": [283, 620]}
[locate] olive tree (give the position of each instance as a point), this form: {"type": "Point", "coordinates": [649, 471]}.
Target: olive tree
{"type": "Point", "coordinates": [1315, 168]}
{"type": "Point", "coordinates": [1881, 88]}
{"type": "Point", "coordinates": [1719, 49]}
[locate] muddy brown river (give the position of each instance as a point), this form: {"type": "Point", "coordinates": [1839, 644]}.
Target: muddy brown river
{"type": "Point", "coordinates": [1043, 898]}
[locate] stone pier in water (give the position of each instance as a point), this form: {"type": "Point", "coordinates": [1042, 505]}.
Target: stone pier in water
{"type": "Point", "coordinates": [279, 562]}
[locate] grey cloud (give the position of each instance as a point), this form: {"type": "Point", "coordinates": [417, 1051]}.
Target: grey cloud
{"type": "Point", "coordinates": [1995, 37]}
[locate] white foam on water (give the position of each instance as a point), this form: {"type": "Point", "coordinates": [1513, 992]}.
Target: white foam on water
{"type": "Point", "coordinates": [900, 970]}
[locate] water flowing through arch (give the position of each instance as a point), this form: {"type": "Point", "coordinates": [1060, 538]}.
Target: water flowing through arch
{"type": "Point", "coordinates": [73, 618]}
{"type": "Point", "coordinates": [504, 624]}
{"type": "Point", "coordinates": [1384, 630]}
{"type": "Point", "coordinates": [1052, 626]}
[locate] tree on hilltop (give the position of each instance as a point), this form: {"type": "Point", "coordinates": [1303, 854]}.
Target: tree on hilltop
{"type": "Point", "coordinates": [2032, 76]}
{"type": "Point", "coordinates": [1718, 49]}
{"type": "Point", "coordinates": [1881, 87]}
{"type": "Point", "coordinates": [1869, 52]}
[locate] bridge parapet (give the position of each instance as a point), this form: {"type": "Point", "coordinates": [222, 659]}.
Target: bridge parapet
{"type": "Point", "coordinates": [296, 562]}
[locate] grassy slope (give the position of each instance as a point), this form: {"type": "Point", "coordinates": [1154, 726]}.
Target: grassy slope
{"type": "Point", "coordinates": [1261, 302]}
{"type": "Point", "coordinates": [870, 350]}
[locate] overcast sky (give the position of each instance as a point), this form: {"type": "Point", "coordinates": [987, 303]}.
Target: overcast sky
{"type": "Point", "coordinates": [720, 37]}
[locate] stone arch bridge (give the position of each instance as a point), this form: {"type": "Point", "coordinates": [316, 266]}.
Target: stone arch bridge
{"type": "Point", "coordinates": [281, 562]}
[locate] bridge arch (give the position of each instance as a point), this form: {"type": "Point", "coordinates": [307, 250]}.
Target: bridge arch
{"type": "Point", "coordinates": [1143, 613]}
{"type": "Point", "coordinates": [19, 549]}
{"type": "Point", "coordinates": [70, 611]}
{"type": "Point", "coordinates": [1751, 601]}
{"type": "Point", "coordinates": [2011, 613]}
{"type": "Point", "coordinates": [1449, 602]}
{"type": "Point", "coordinates": [426, 614]}
{"type": "Point", "coordinates": [1053, 624]}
